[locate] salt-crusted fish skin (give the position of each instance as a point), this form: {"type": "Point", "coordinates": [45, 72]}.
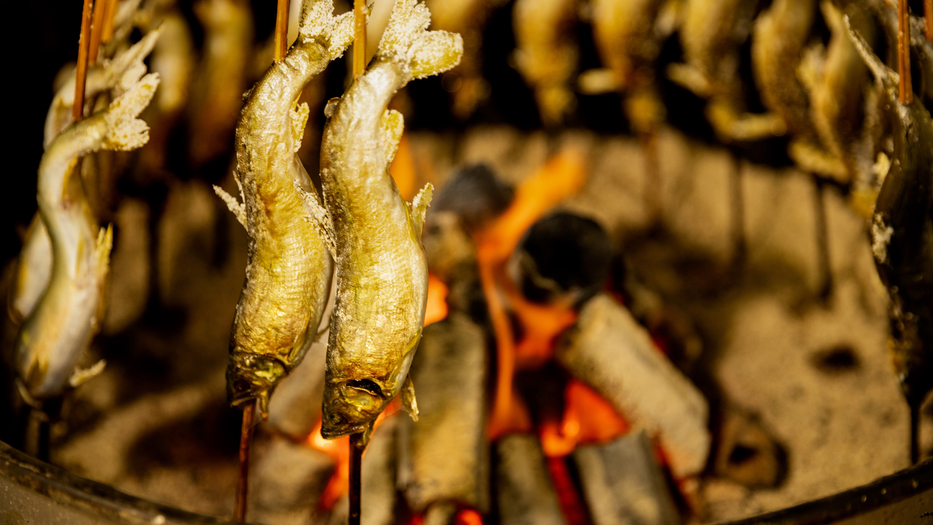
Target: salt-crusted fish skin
{"type": "Point", "coordinates": [382, 275]}
{"type": "Point", "coordinates": [289, 267]}
{"type": "Point", "coordinates": [67, 316]}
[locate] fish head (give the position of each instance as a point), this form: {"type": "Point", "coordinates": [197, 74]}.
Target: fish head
{"type": "Point", "coordinates": [352, 404]}
{"type": "Point", "coordinates": [253, 377]}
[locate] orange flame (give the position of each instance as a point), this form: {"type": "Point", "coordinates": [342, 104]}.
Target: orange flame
{"type": "Point", "coordinates": [588, 418]}
{"type": "Point", "coordinates": [561, 177]}
{"type": "Point", "coordinates": [339, 451]}
{"type": "Point", "coordinates": [436, 309]}
{"type": "Point", "coordinates": [403, 169]}
{"type": "Point", "coordinates": [469, 517]}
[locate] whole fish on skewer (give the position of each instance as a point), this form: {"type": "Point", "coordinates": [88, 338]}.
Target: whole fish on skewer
{"type": "Point", "coordinates": [382, 274]}
{"type": "Point", "coordinates": [902, 240]}
{"type": "Point", "coordinates": [547, 54]}
{"type": "Point", "coordinates": [288, 273]}
{"type": "Point", "coordinates": [35, 262]}
{"type": "Point", "coordinates": [68, 315]}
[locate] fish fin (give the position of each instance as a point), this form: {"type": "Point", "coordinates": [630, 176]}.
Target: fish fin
{"type": "Point", "coordinates": [299, 121]}
{"type": "Point", "coordinates": [237, 208]}
{"type": "Point", "coordinates": [102, 250]}
{"type": "Point", "coordinates": [125, 70]}
{"type": "Point", "coordinates": [407, 40]}
{"type": "Point", "coordinates": [83, 375]}
{"type": "Point", "coordinates": [393, 125]}
{"type": "Point", "coordinates": [409, 403]}
{"type": "Point", "coordinates": [125, 132]}
{"type": "Point", "coordinates": [317, 215]}
{"type": "Point", "coordinates": [317, 21]}
{"type": "Point", "coordinates": [419, 208]}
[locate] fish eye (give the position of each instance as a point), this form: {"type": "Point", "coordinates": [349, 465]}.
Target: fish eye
{"type": "Point", "coordinates": [366, 385]}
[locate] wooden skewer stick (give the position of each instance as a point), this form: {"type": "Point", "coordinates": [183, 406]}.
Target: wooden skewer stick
{"type": "Point", "coordinates": [928, 12]}
{"type": "Point", "coordinates": [77, 112]}
{"type": "Point", "coordinates": [359, 37]}
{"type": "Point", "coordinates": [356, 486]}
{"type": "Point", "coordinates": [281, 30]}
{"type": "Point", "coordinates": [905, 89]}
{"type": "Point", "coordinates": [242, 480]}
{"type": "Point", "coordinates": [110, 11]}
{"type": "Point", "coordinates": [97, 26]}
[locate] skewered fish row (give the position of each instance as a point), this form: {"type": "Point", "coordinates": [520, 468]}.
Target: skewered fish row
{"type": "Point", "coordinates": [68, 314]}
{"type": "Point", "coordinates": [382, 275]}
{"type": "Point", "coordinates": [288, 273]}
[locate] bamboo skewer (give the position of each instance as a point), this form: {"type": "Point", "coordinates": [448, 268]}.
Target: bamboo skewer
{"type": "Point", "coordinates": [77, 112]}
{"type": "Point", "coordinates": [928, 13]}
{"type": "Point", "coordinates": [905, 89]}
{"type": "Point", "coordinates": [97, 26]}
{"type": "Point", "coordinates": [359, 37]}
{"type": "Point", "coordinates": [106, 31]}
{"type": "Point", "coordinates": [281, 30]}
{"type": "Point", "coordinates": [242, 480]}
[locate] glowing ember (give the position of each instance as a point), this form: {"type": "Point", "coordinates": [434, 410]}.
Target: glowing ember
{"type": "Point", "coordinates": [339, 451]}
{"type": "Point", "coordinates": [437, 301]}
{"type": "Point", "coordinates": [469, 517]}
{"type": "Point", "coordinates": [588, 418]}
{"type": "Point", "coordinates": [561, 177]}
{"type": "Point", "coordinates": [403, 170]}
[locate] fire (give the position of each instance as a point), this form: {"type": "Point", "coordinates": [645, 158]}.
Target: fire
{"type": "Point", "coordinates": [403, 169]}
{"type": "Point", "coordinates": [339, 451]}
{"type": "Point", "coordinates": [587, 418]}
{"type": "Point", "coordinates": [561, 177]}
{"type": "Point", "coordinates": [436, 309]}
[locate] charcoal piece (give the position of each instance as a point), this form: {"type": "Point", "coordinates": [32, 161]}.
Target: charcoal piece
{"type": "Point", "coordinates": [286, 478]}
{"type": "Point", "coordinates": [378, 496]}
{"type": "Point", "coordinates": [441, 514]}
{"type": "Point", "coordinates": [611, 352]}
{"type": "Point", "coordinates": [296, 406]}
{"type": "Point", "coordinates": [445, 456]}
{"type": "Point", "coordinates": [525, 493]}
{"type": "Point", "coordinates": [475, 194]}
{"type": "Point", "coordinates": [623, 484]}
{"type": "Point", "coordinates": [562, 258]}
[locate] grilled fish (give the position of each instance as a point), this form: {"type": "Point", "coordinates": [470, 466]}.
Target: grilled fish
{"type": "Point", "coordinates": [902, 239]}
{"type": "Point", "coordinates": [288, 272]}
{"type": "Point", "coordinates": [68, 315]}
{"type": "Point", "coordinates": [382, 274]}
{"type": "Point", "coordinates": [35, 262]}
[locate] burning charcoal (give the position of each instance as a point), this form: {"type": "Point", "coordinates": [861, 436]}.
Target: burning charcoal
{"type": "Point", "coordinates": [378, 480]}
{"type": "Point", "coordinates": [287, 480]}
{"type": "Point", "coordinates": [747, 453]}
{"type": "Point", "coordinates": [474, 194]}
{"type": "Point", "coordinates": [615, 355]}
{"type": "Point", "coordinates": [525, 492]}
{"type": "Point", "coordinates": [622, 483]}
{"type": "Point", "coordinates": [296, 406]}
{"type": "Point", "coordinates": [562, 258]}
{"type": "Point", "coordinates": [444, 456]}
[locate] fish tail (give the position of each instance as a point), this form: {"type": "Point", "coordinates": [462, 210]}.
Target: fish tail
{"type": "Point", "coordinates": [125, 132]}
{"type": "Point", "coordinates": [419, 207]}
{"type": "Point", "coordinates": [127, 68]}
{"type": "Point", "coordinates": [407, 40]}
{"type": "Point", "coordinates": [317, 22]}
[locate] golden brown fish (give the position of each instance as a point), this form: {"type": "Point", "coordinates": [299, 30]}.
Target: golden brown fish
{"type": "Point", "coordinates": [382, 274]}
{"type": "Point", "coordinates": [68, 315]}
{"type": "Point", "coordinates": [288, 273]}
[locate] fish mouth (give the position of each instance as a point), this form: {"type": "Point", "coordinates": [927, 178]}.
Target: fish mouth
{"type": "Point", "coordinates": [252, 377]}
{"type": "Point", "coordinates": [352, 407]}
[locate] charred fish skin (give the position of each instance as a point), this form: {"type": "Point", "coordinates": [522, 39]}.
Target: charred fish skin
{"type": "Point", "coordinates": [67, 316]}
{"type": "Point", "coordinates": [288, 272]}
{"type": "Point", "coordinates": [902, 233]}
{"type": "Point", "coordinates": [382, 274]}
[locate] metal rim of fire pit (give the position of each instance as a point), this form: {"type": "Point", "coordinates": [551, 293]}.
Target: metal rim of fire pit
{"type": "Point", "coordinates": [32, 491]}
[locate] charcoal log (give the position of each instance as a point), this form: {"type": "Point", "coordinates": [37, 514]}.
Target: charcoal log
{"type": "Point", "coordinates": [286, 481]}
{"type": "Point", "coordinates": [445, 456]}
{"type": "Point", "coordinates": [562, 258]}
{"type": "Point", "coordinates": [377, 495]}
{"type": "Point", "coordinates": [524, 490]}
{"type": "Point", "coordinates": [475, 194]}
{"type": "Point", "coordinates": [296, 406]}
{"type": "Point", "coordinates": [611, 352]}
{"type": "Point", "coordinates": [452, 259]}
{"type": "Point", "coordinates": [623, 484]}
